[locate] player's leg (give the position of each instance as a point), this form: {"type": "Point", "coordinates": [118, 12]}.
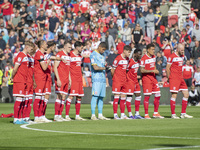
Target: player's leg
{"type": "Point", "coordinates": [173, 105]}
{"type": "Point", "coordinates": [137, 105]}
{"type": "Point", "coordinates": [128, 105]}
{"type": "Point", "coordinates": [184, 104]}
{"type": "Point", "coordinates": [147, 89]}
{"type": "Point", "coordinates": [100, 108]}
{"type": "Point", "coordinates": [93, 107]}
{"type": "Point", "coordinates": [67, 108]}
{"type": "Point", "coordinates": [62, 106]}
{"type": "Point", "coordinates": [156, 106]}
{"type": "Point", "coordinates": [122, 106]}
{"type": "Point", "coordinates": [57, 106]}
{"type": "Point", "coordinates": [17, 107]}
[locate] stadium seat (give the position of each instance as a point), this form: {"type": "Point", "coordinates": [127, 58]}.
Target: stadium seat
{"type": "Point", "coordinates": [172, 20]}
{"type": "Point", "coordinates": [147, 40]}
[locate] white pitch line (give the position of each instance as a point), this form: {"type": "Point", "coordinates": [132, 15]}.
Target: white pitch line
{"type": "Point", "coordinates": [124, 135]}
{"type": "Point", "coordinates": [173, 147]}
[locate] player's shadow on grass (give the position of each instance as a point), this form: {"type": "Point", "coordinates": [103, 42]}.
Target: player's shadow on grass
{"type": "Point", "coordinates": [167, 117]}
{"type": "Point", "coordinates": [172, 145]}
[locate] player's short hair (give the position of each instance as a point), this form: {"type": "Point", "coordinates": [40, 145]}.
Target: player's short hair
{"type": "Point", "coordinates": [29, 43]}
{"type": "Point", "coordinates": [127, 48]}
{"type": "Point", "coordinates": [51, 43]}
{"type": "Point", "coordinates": [150, 46]}
{"type": "Point", "coordinates": [67, 42]}
{"type": "Point", "coordinates": [137, 50]}
{"type": "Point", "coordinates": [40, 43]}
{"type": "Point", "coordinates": [78, 44]}
{"type": "Point", "coordinates": [103, 45]}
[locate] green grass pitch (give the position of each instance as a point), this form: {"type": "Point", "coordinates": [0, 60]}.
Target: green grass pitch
{"type": "Point", "coordinates": [155, 134]}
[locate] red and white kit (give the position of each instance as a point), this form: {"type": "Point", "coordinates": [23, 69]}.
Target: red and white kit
{"type": "Point", "coordinates": [187, 71]}
{"type": "Point", "coordinates": [149, 82]}
{"type": "Point", "coordinates": [63, 72]}
{"type": "Point", "coordinates": [176, 80]}
{"type": "Point", "coordinates": [119, 78]}
{"type": "Point", "coordinates": [20, 78]}
{"type": "Point", "coordinates": [39, 74]}
{"type": "Point", "coordinates": [48, 75]}
{"type": "Point", "coordinates": [132, 85]}
{"type": "Point", "coordinates": [76, 75]}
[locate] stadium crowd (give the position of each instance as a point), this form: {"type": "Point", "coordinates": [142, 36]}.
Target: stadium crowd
{"type": "Point", "coordinates": [117, 23]}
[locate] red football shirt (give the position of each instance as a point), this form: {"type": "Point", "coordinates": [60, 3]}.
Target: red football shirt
{"type": "Point", "coordinates": [8, 10]}
{"type": "Point", "coordinates": [75, 67]}
{"type": "Point", "coordinates": [120, 64]}
{"type": "Point", "coordinates": [187, 71]}
{"type": "Point", "coordinates": [133, 67]}
{"type": "Point", "coordinates": [176, 66]}
{"type": "Point", "coordinates": [30, 69]}
{"type": "Point", "coordinates": [63, 68]}
{"type": "Point", "coordinates": [148, 63]}
{"type": "Point", "coordinates": [39, 73]}
{"type": "Point", "coordinates": [48, 71]}
{"type": "Point", "coordinates": [22, 72]}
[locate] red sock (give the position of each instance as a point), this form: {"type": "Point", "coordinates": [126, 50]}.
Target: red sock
{"type": "Point", "coordinates": [30, 100]}
{"type": "Point", "coordinates": [78, 106]}
{"type": "Point", "coordinates": [137, 103]}
{"type": "Point", "coordinates": [146, 104]}
{"type": "Point", "coordinates": [156, 102]}
{"type": "Point", "coordinates": [128, 103]}
{"type": "Point", "coordinates": [115, 104]}
{"type": "Point", "coordinates": [184, 104]}
{"type": "Point", "coordinates": [25, 110]}
{"type": "Point", "coordinates": [173, 105]}
{"type": "Point", "coordinates": [57, 106]}
{"type": "Point", "coordinates": [41, 108]}
{"type": "Point", "coordinates": [61, 107]}
{"type": "Point", "coordinates": [45, 106]}
{"type": "Point", "coordinates": [122, 104]}
{"type": "Point", "coordinates": [17, 107]}
{"type": "Point", "coordinates": [36, 105]}
{"type": "Point", "coordinates": [22, 108]}
{"type": "Point", "coordinates": [67, 107]}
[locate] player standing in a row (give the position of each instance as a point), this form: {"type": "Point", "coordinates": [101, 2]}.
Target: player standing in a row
{"type": "Point", "coordinates": [98, 81]}
{"type": "Point", "coordinates": [76, 89]}
{"type": "Point", "coordinates": [19, 77]}
{"type": "Point", "coordinates": [176, 81]}
{"type": "Point", "coordinates": [119, 81]}
{"type": "Point", "coordinates": [132, 85]}
{"type": "Point", "coordinates": [149, 82]}
{"type": "Point", "coordinates": [40, 66]}
{"type": "Point", "coordinates": [62, 80]}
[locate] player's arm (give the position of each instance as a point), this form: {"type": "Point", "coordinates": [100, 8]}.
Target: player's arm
{"type": "Point", "coordinates": [56, 64]}
{"type": "Point", "coordinates": [34, 83]}
{"type": "Point", "coordinates": [97, 68]}
{"type": "Point", "coordinates": [70, 81]}
{"type": "Point", "coordinates": [112, 71]}
{"type": "Point", "coordinates": [15, 70]}
{"type": "Point", "coordinates": [143, 70]}
{"type": "Point", "coordinates": [168, 70]}
{"type": "Point", "coordinates": [43, 64]}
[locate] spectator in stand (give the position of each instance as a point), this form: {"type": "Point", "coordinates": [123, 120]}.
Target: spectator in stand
{"type": "Point", "coordinates": [122, 8]}
{"type": "Point", "coordinates": [132, 14]}
{"type": "Point", "coordinates": [67, 5]}
{"type": "Point", "coordinates": [113, 31]}
{"type": "Point", "coordinates": [111, 57]}
{"type": "Point", "coordinates": [192, 44]}
{"type": "Point", "coordinates": [150, 24]}
{"type": "Point", "coordinates": [142, 45]}
{"type": "Point", "coordinates": [155, 4]}
{"type": "Point", "coordinates": [85, 33]}
{"type": "Point", "coordinates": [5, 37]}
{"type": "Point", "coordinates": [120, 46]}
{"type": "Point", "coordinates": [2, 42]}
{"type": "Point", "coordinates": [194, 97]}
{"type": "Point", "coordinates": [167, 48]}
{"type": "Point", "coordinates": [7, 9]}
{"type": "Point", "coordinates": [197, 79]}
{"type": "Point", "coordinates": [188, 73]}
{"type": "Point", "coordinates": [31, 10]}
{"type": "Point", "coordinates": [16, 19]}
{"type": "Point", "coordinates": [146, 11]}
{"type": "Point", "coordinates": [86, 55]}
{"type": "Point", "coordinates": [12, 39]}
{"type": "Point", "coordinates": [189, 30]}
{"type": "Point", "coordinates": [187, 49]}
{"type": "Point", "coordinates": [137, 35]}
{"type": "Point", "coordinates": [114, 8]}
{"type": "Point", "coordinates": [105, 6]}
{"type": "Point", "coordinates": [184, 36]}
{"type": "Point", "coordinates": [79, 18]}
{"type": "Point", "coordinates": [192, 16]}
{"type": "Point", "coordinates": [188, 22]}
{"type": "Point", "coordinates": [120, 21]}
{"type": "Point", "coordinates": [141, 22]}
{"type": "Point", "coordinates": [159, 68]}
{"type": "Point", "coordinates": [167, 33]}
{"type": "Point", "coordinates": [164, 8]}
{"type": "Point", "coordinates": [95, 44]}
{"type": "Point", "coordinates": [138, 10]}
{"type": "Point", "coordinates": [111, 18]}
{"type": "Point", "coordinates": [109, 12]}
{"type": "Point", "coordinates": [53, 25]}
{"type": "Point", "coordinates": [126, 34]}
{"type": "Point", "coordinates": [158, 17]}
{"type": "Point", "coordinates": [2, 59]}
{"type": "Point", "coordinates": [196, 50]}
{"type": "Point", "coordinates": [2, 28]}
{"type": "Point", "coordinates": [196, 32]}
{"type": "Point", "coordinates": [41, 20]}
{"type": "Point", "coordinates": [109, 42]}
{"type": "Point", "coordinates": [176, 33]}
{"type": "Point", "coordinates": [196, 5]}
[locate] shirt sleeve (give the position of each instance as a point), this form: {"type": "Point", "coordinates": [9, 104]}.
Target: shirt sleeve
{"type": "Point", "coordinates": [19, 60]}
{"type": "Point", "coordinates": [142, 63]}
{"type": "Point", "coordinates": [93, 60]}
{"type": "Point", "coordinates": [115, 63]}
{"type": "Point", "coordinates": [40, 58]}
{"type": "Point", "coordinates": [169, 61]}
